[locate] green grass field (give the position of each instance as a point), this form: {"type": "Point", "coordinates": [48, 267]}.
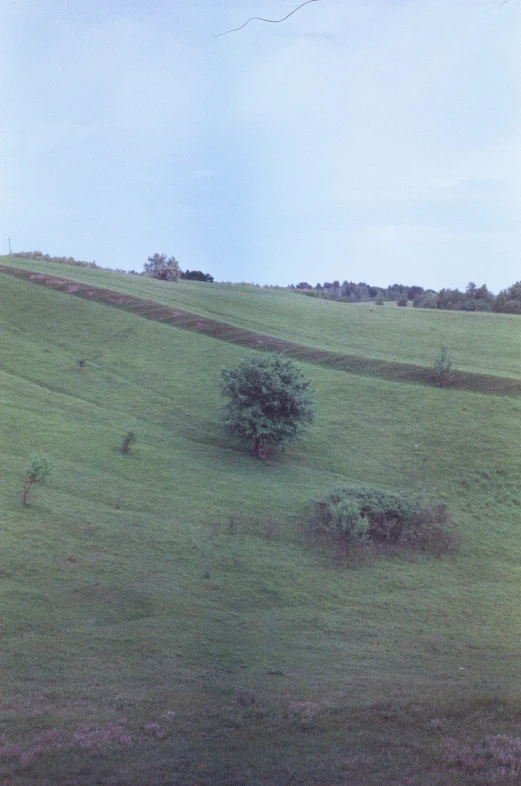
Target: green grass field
{"type": "Point", "coordinates": [479, 342]}
{"type": "Point", "coordinates": [164, 619]}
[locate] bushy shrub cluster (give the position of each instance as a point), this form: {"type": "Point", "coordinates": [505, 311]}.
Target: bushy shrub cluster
{"type": "Point", "coordinates": [128, 442]}
{"type": "Point", "coordinates": [368, 516]}
{"type": "Point", "coordinates": [37, 472]}
{"type": "Point", "coordinates": [158, 266]}
{"type": "Point", "coordinates": [197, 275]}
{"type": "Point", "coordinates": [47, 258]}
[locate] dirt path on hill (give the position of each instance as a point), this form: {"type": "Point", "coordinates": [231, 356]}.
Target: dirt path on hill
{"type": "Point", "coordinates": [353, 364]}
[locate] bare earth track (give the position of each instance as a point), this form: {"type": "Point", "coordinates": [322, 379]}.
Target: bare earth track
{"type": "Point", "coordinates": [149, 309]}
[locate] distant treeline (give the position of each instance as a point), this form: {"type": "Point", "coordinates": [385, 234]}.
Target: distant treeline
{"type": "Point", "coordinates": [472, 299]}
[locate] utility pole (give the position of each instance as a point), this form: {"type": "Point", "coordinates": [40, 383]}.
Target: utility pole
{"type": "Point", "coordinates": [9, 241]}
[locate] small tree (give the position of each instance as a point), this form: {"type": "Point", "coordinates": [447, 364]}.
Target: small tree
{"type": "Point", "coordinates": [37, 472]}
{"type": "Point", "coordinates": [128, 442]}
{"type": "Point", "coordinates": [270, 401]}
{"type": "Point", "coordinates": [158, 266]}
{"type": "Point", "coordinates": [443, 366]}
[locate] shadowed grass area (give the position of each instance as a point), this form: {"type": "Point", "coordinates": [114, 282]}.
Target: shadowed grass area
{"type": "Point", "coordinates": [165, 620]}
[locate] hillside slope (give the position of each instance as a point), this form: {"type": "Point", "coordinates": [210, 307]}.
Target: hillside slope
{"type": "Point", "coordinates": [480, 343]}
{"type": "Point", "coordinates": [151, 309]}
{"type": "Point", "coordinates": [164, 620]}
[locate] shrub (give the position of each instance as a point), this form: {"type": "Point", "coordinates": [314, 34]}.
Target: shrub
{"type": "Point", "coordinates": [379, 301]}
{"type": "Point", "coordinates": [372, 516]}
{"type": "Point", "coordinates": [345, 520]}
{"type": "Point", "coordinates": [47, 258]}
{"type": "Point", "coordinates": [443, 366]}
{"type": "Point", "coordinates": [197, 275]}
{"type": "Point", "coordinates": [433, 531]}
{"type": "Point", "coordinates": [128, 441]}
{"type": "Point", "coordinates": [37, 472]}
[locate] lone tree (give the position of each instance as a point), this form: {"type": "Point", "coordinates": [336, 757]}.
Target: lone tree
{"type": "Point", "coordinates": [158, 266]}
{"type": "Point", "coordinates": [37, 472]}
{"type": "Point", "coordinates": [270, 401]}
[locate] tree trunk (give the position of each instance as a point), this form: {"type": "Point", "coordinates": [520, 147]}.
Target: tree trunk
{"type": "Point", "coordinates": [259, 450]}
{"type": "Point", "coordinates": [27, 488]}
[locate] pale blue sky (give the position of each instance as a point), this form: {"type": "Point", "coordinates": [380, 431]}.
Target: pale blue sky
{"type": "Point", "coordinates": [375, 140]}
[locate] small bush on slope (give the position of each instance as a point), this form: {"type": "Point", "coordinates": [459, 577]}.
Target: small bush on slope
{"type": "Point", "coordinates": [443, 366]}
{"type": "Point", "coordinates": [367, 516]}
{"type": "Point", "coordinates": [128, 442]}
{"type": "Point", "coordinates": [37, 472]}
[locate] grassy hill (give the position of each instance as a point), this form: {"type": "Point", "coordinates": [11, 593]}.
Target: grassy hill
{"type": "Point", "coordinates": [164, 619]}
{"type": "Point", "coordinates": [479, 342]}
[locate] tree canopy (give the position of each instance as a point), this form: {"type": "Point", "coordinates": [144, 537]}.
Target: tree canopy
{"type": "Point", "coordinates": [158, 266]}
{"type": "Point", "coordinates": [197, 275]}
{"type": "Point", "coordinates": [270, 401]}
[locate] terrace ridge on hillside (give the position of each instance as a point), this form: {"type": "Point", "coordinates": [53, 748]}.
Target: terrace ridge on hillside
{"type": "Point", "coordinates": [354, 364]}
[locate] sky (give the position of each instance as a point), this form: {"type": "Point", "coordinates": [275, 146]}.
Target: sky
{"type": "Point", "coordinates": [365, 140]}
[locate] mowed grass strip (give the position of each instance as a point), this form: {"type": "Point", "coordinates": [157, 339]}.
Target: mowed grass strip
{"type": "Point", "coordinates": [401, 372]}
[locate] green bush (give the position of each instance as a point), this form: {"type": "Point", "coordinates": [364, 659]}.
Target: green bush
{"type": "Point", "coordinates": [344, 519]}
{"type": "Point", "coordinates": [433, 531]}
{"type": "Point", "coordinates": [443, 366]}
{"type": "Point", "coordinates": [128, 442]}
{"type": "Point", "coordinates": [270, 401]}
{"type": "Point", "coordinates": [197, 275]}
{"type": "Point", "coordinates": [46, 257]}
{"type": "Point", "coordinates": [372, 516]}
{"type": "Point", "coordinates": [37, 472]}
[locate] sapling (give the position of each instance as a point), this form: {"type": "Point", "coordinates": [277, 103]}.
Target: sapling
{"type": "Point", "coordinates": [128, 441]}
{"type": "Point", "coordinates": [443, 366]}
{"type": "Point", "coordinates": [37, 472]}
{"type": "Point", "coordinates": [270, 401]}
